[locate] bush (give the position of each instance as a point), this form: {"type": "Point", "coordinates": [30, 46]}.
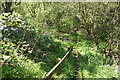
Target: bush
{"type": "Point", "coordinates": [22, 68]}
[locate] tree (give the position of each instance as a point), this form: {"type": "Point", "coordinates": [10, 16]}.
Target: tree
{"type": "Point", "coordinates": [10, 6]}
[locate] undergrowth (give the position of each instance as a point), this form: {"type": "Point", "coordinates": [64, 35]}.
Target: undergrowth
{"type": "Point", "coordinates": [24, 61]}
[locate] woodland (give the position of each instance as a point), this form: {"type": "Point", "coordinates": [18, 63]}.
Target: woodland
{"type": "Point", "coordinates": [33, 35]}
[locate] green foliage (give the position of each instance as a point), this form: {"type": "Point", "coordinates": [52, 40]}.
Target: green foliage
{"type": "Point", "coordinates": [106, 69]}
{"type": "Point", "coordinates": [92, 62]}
{"type": "Point", "coordinates": [22, 68]}
{"type": "Point", "coordinates": [15, 28]}
{"type": "Point", "coordinates": [30, 50]}
{"type": "Point", "coordinates": [16, 65]}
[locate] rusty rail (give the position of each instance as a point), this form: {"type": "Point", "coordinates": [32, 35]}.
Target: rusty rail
{"type": "Point", "coordinates": [52, 71]}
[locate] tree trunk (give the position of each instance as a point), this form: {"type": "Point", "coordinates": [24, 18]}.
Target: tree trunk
{"type": "Point", "coordinates": [8, 7]}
